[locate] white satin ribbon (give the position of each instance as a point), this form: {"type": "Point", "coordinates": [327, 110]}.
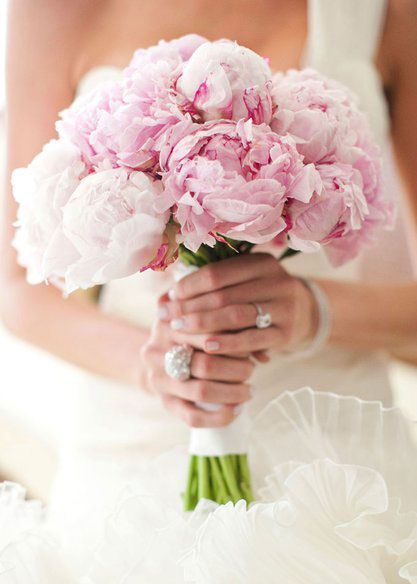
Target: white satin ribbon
{"type": "Point", "coordinates": [231, 439]}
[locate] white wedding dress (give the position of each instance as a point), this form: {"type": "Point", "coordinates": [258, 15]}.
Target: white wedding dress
{"type": "Point", "coordinates": [117, 429]}
{"type": "Point", "coordinates": [336, 503]}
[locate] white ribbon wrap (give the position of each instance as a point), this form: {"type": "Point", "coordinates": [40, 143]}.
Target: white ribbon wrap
{"type": "Point", "coordinates": [231, 439]}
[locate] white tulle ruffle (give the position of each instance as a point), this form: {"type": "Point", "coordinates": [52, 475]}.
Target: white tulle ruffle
{"type": "Point", "coordinates": [28, 553]}
{"type": "Point", "coordinates": [336, 504]}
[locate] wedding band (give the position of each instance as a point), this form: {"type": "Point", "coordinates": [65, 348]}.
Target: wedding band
{"type": "Point", "coordinates": [263, 319]}
{"type": "Point", "coordinates": [178, 361]}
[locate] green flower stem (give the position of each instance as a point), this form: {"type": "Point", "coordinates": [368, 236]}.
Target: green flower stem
{"type": "Point", "coordinates": [221, 494]}
{"type": "Point", "coordinates": [288, 253]}
{"type": "Point", "coordinates": [219, 478]}
{"type": "Point", "coordinates": [190, 495]}
{"type": "Point", "coordinates": [245, 477]}
{"type": "Point", "coordinates": [235, 459]}
{"type": "Point", "coordinates": [207, 255]}
{"type": "Point", "coordinates": [230, 478]}
{"type": "Point", "coordinates": [204, 487]}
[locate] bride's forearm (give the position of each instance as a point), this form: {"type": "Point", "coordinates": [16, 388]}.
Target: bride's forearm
{"type": "Point", "coordinates": [372, 316]}
{"type": "Point", "coordinates": [75, 330]}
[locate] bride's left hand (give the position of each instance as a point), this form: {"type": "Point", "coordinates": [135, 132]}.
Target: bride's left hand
{"type": "Point", "coordinates": [213, 307]}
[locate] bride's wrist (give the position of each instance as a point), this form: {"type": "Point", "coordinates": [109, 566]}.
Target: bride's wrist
{"type": "Point", "coordinates": [319, 321]}
{"type": "Point", "coordinates": [130, 351]}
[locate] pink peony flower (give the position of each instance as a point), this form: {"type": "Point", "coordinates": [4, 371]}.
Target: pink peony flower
{"type": "Point", "coordinates": [121, 122]}
{"type": "Point", "coordinates": [42, 190]}
{"type": "Point", "coordinates": [330, 131]}
{"type": "Point", "coordinates": [167, 252]}
{"type": "Point", "coordinates": [180, 49]}
{"type": "Point", "coordinates": [151, 106]}
{"type": "Point", "coordinates": [340, 208]}
{"type": "Point", "coordinates": [224, 80]}
{"type": "Point", "coordinates": [234, 179]}
{"type": "Point", "coordinates": [320, 114]}
{"type": "Point", "coordinates": [79, 122]}
{"type": "Point", "coordinates": [380, 215]}
{"type": "Point", "coordinates": [111, 222]}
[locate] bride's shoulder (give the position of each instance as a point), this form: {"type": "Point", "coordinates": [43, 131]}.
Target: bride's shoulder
{"type": "Point", "coordinates": [106, 41]}
{"type": "Point", "coordinates": [48, 35]}
{"type": "Point", "coordinates": [69, 18]}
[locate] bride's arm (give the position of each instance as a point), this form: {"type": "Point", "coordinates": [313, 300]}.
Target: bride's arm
{"type": "Point", "coordinates": [42, 41]}
{"type": "Point", "coordinates": [387, 315]}
{"type": "Point", "coordinates": [44, 37]}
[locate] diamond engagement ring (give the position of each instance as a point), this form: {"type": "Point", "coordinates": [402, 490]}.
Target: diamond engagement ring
{"type": "Point", "coordinates": [263, 319]}
{"type": "Point", "coordinates": [178, 361]}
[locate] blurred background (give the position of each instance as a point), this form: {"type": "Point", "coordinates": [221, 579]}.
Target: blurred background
{"type": "Point", "coordinates": [34, 387]}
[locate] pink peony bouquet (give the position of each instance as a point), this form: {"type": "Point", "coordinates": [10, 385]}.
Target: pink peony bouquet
{"type": "Point", "coordinates": [199, 152]}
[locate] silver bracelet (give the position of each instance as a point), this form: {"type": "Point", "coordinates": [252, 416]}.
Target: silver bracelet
{"type": "Point", "coordinates": [324, 320]}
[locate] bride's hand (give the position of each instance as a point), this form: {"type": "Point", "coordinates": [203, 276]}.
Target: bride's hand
{"type": "Point", "coordinates": [212, 309]}
{"type": "Point", "coordinates": [215, 379]}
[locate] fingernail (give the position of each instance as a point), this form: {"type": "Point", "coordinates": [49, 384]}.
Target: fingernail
{"type": "Point", "coordinates": [212, 346]}
{"type": "Point", "coordinates": [238, 409]}
{"type": "Point", "coordinates": [171, 294]}
{"type": "Point", "coordinates": [162, 312]}
{"type": "Point", "coordinates": [177, 324]}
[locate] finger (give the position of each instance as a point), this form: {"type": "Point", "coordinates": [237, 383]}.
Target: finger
{"type": "Point", "coordinates": [235, 317]}
{"type": "Point", "coordinates": [197, 418]}
{"type": "Point", "coordinates": [162, 312]}
{"type": "Point", "coordinates": [218, 368]}
{"type": "Point", "coordinates": [234, 369]}
{"type": "Point", "coordinates": [162, 336]}
{"type": "Point", "coordinates": [261, 356]}
{"type": "Point", "coordinates": [251, 339]}
{"type": "Point", "coordinates": [205, 391]}
{"type": "Point", "coordinates": [231, 318]}
{"type": "Point", "coordinates": [225, 273]}
{"type": "Point", "coordinates": [261, 290]}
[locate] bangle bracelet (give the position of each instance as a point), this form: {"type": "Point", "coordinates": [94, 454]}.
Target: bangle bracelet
{"type": "Point", "coordinates": [324, 320]}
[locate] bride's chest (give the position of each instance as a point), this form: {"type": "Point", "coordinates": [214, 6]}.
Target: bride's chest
{"type": "Point", "coordinates": [276, 29]}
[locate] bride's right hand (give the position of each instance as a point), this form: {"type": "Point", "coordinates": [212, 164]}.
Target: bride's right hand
{"type": "Point", "coordinates": [214, 380]}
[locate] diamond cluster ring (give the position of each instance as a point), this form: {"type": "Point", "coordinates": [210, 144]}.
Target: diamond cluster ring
{"type": "Point", "coordinates": [178, 361]}
{"type": "Point", "coordinates": [263, 319]}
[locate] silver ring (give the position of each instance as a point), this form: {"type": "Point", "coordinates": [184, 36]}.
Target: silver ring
{"type": "Point", "coordinates": [263, 319]}
{"type": "Point", "coordinates": [178, 362]}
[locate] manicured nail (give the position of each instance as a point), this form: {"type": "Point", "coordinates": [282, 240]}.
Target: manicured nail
{"type": "Point", "coordinates": [238, 409]}
{"type": "Point", "coordinates": [162, 312]}
{"type": "Point", "coordinates": [212, 346]}
{"type": "Point", "coordinates": [171, 294]}
{"type": "Point", "coordinates": [177, 324]}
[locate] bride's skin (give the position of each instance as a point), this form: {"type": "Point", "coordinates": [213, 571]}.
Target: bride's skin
{"type": "Point", "coordinates": [51, 44]}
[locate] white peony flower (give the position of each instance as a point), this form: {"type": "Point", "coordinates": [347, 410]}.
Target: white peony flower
{"type": "Point", "coordinates": [42, 189]}
{"type": "Point", "coordinates": [225, 80]}
{"type": "Point", "coordinates": [111, 222]}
